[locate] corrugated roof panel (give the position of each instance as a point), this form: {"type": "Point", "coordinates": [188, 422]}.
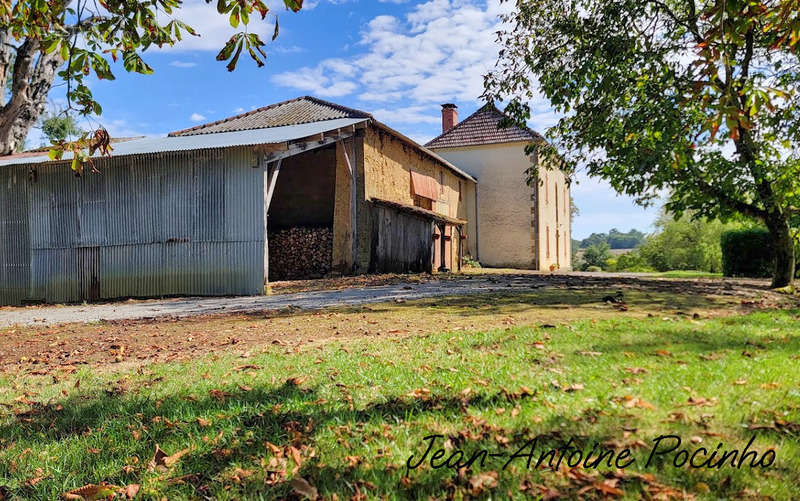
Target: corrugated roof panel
{"type": "Point", "coordinates": [272, 135]}
{"type": "Point", "coordinates": [301, 110]}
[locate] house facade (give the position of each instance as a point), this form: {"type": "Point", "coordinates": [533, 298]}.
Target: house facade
{"type": "Point", "coordinates": [515, 224]}
{"type": "Point", "coordinates": [212, 210]}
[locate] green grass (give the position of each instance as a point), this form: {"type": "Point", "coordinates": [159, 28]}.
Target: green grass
{"type": "Point", "coordinates": [367, 405]}
{"type": "Point", "coordinates": [687, 274]}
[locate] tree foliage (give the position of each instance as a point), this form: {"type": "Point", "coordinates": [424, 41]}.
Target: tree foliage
{"type": "Point", "coordinates": [685, 243]}
{"type": "Point", "coordinates": [596, 256]}
{"type": "Point", "coordinates": [697, 98]}
{"type": "Point", "coordinates": [615, 239]}
{"type": "Point", "coordinates": [41, 40]}
{"type": "Point", "coordinates": [59, 126]}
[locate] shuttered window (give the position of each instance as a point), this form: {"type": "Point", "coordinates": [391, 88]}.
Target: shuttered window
{"type": "Point", "coordinates": [423, 186]}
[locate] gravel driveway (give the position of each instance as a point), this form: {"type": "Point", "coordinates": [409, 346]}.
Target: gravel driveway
{"type": "Point", "coordinates": [460, 285]}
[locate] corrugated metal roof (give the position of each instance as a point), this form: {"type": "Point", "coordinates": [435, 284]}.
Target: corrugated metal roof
{"type": "Point", "coordinates": [419, 211]}
{"type": "Point", "coordinates": [482, 127]}
{"type": "Point", "coordinates": [301, 110]}
{"type": "Point", "coordinates": [272, 135]}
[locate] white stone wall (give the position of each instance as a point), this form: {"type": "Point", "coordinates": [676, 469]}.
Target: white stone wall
{"type": "Point", "coordinates": [505, 210]}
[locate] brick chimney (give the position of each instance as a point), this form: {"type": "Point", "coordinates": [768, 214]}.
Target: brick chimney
{"type": "Point", "coordinates": [449, 116]}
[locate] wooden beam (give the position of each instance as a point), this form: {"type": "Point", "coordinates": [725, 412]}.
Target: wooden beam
{"type": "Point", "coordinates": [298, 147]}
{"type": "Point", "coordinates": [353, 202]}
{"type": "Point", "coordinates": [273, 181]}
{"type": "Point", "coordinates": [270, 179]}
{"type": "Point", "coordinates": [347, 158]}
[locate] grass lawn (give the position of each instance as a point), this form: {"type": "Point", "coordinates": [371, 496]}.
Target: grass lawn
{"type": "Point", "coordinates": [687, 274]}
{"type": "Point", "coordinates": [341, 418]}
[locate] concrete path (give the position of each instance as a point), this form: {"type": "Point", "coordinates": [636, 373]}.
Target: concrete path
{"type": "Point", "coordinates": [185, 307]}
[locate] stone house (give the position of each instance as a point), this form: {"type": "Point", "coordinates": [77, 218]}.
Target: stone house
{"type": "Point", "coordinates": [515, 225]}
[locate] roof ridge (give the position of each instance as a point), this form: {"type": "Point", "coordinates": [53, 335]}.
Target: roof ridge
{"type": "Point", "coordinates": [489, 107]}
{"type": "Point", "coordinates": [313, 99]}
{"type": "Point", "coordinates": [456, 126]}
{"type": "Point", "coordinates": [228, 119]}
{"type": "Point", "coordinates": [337, 106]}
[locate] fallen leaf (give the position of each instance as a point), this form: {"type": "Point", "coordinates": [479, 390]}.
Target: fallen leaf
{"type": "Point", "coordinates": [296, 380]}
{"type": "Point", "coordinates": [301, 487]}
{"type": "Point", "coordinates": [419, 393]}
{"type": "Point", "coordinates": [131, 490]}
{"type": "Point", "coordinates": [90, 492]}
{"type": "Point", "coordinates": [482, 482]}
{"type": "Point", "coordinates": [162, 461]}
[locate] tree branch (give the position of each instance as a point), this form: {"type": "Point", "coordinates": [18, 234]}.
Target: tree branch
{"type": "Point", "coordinates": [725, 199]}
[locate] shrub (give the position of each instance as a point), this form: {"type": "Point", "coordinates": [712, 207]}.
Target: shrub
{"type": "Point", "coordinates": [593, 269]}
{"type": "Point", "coordinates": [685, 244]}
{"type": "Point", "coordinates": [468, 262]}
{"type": "Point", "coordinates": [749, 253]}
{"type": "Point", "coordinates": [596, 256]}
{"type": "Point", "coordinates": [632, 261]}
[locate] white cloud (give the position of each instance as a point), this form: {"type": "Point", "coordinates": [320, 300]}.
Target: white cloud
{"type": "Point", "coordinates": [182, 64]}
{"type": "Point", "coordinates": [331, 78]}
{"type": "Point", "coordinates": [197, 117]}
{"type": "Point", "coordinates": [438, 53]}
{"type": "Point", "coordinates": [408, 115]}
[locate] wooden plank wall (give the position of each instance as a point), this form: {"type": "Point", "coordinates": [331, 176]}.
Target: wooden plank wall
{"type": "Point", "coordinates": [401, 242]}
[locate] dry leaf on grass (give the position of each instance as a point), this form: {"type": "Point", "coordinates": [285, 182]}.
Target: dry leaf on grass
{"type": "Point", "coordinates": [296, 380]}
{"type": "Point", "coordinates": [482, 482]}
{"type": "Point", "coordinates": [131, 490]}
{"type": "Point", "coordinates": [90, 492]}
{"type": "Point", "coordinates": [301, 487]}
{"type": "Point", "coordinates": [423, 393]}
{"type": "Point", "coordinates": [162, 461]}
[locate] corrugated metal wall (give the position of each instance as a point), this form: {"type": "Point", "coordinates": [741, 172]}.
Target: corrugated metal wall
{"type": "Point", "coordinates": [187, 223]}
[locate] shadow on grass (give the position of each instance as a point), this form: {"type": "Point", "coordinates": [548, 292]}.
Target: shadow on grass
{"type": "Point", "coordinates": [245, 419]}
{"type": "Point", "coordinates": [242, 422]}
{"type": "Point", "coordinates": [722, 335]}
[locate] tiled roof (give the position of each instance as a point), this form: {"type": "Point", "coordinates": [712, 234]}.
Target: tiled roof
{"type": "Point", "coordinates": [302, 110]}
{"type": "Point", "coordinates": [482, 128]}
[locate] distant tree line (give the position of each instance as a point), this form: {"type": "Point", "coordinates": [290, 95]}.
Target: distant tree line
{"type": "Point", "coordinates": [685, 243]}
{"type": "Point", "coordinates": [615, 239]}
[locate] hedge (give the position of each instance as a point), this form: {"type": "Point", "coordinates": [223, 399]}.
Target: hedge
{"type": "Point", "coordinates": [749, 253]}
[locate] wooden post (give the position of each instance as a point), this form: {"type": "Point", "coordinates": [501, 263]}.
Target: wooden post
{"type": "Point", "coordinates": [460, 246]}
{"type": "Point", "coordinates": [353, 207]}
{"type": "Point", "coordinates": [442, 263]}
{"type": "Point", "coordinates": [270, 180]}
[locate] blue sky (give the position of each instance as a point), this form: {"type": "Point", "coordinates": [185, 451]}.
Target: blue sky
{"type": "Point", "coordinates": [397, 59]}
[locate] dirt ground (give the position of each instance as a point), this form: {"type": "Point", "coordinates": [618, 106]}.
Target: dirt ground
{"type": "Point", "coordinates": [546, 299]}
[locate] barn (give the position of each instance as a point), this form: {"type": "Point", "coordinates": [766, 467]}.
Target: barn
{"type": "Point", "coordinates": [298, 189]}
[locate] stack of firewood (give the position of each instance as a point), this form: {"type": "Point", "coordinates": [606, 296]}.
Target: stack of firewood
{"type": "Point", "coordinates": [300, 253]}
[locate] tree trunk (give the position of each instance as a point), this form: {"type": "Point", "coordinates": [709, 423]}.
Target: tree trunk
{"type": "Point", "coordinates": [34, 72]}
{"type": "Point", "coordinates": [778, 226]}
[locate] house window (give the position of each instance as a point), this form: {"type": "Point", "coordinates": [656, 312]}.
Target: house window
{"type": "Point", "coordinates": [548, 243]}
{"type": "Point", "coordinates": [546, 190]}
{"type": "Point", "coordinates": [459, 190]}
{"type": "Point", "coordinates": [555, 194]}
